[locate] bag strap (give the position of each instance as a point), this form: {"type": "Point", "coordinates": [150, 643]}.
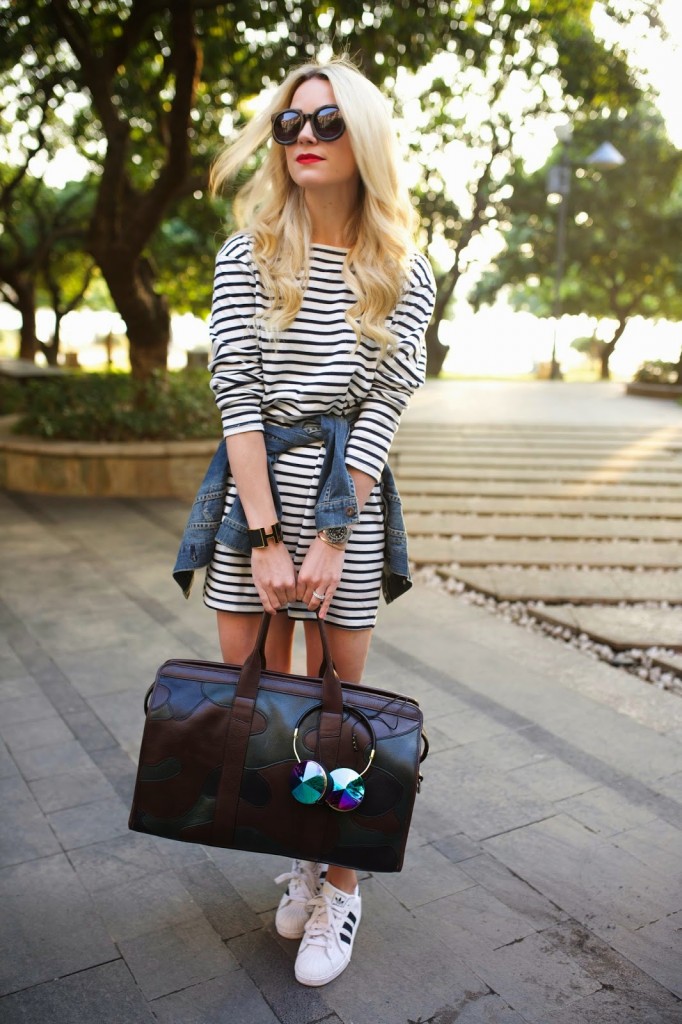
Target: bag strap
{"type": "Point", "coordinates": [249, 678]}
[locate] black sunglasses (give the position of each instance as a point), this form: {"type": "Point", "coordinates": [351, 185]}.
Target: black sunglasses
{"type": "Point", "coordinates": [326, 123]}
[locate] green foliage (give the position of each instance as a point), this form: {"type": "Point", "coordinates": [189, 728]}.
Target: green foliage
{"type": "Point", "coordinates": [12, 396]}
{"type": "Point", "coordinates": [622, 254]}
{"type": "Point", "coordinates": [115, 407]}
{"type": "Point", "coordinates": [657, 371]}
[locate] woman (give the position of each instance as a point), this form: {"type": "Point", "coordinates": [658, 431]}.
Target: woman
{"type": "Point", "coordinates": [319, 312]}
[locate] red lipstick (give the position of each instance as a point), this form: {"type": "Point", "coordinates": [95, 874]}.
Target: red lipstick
{"type": "Point", "coordinates": [308, 158]}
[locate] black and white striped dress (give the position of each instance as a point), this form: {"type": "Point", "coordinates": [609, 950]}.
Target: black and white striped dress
{"type": "Point", "coordinates": [314, 367]}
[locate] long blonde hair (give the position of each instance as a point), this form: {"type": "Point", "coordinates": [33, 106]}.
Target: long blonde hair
{"type": "Point", "coordinates": [271, 207]}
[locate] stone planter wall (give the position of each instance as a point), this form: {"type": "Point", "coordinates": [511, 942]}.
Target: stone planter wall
{"type": "Point", "coordinates": [152, 469]}
{"type": "Point", "coordinates": [645, 390]}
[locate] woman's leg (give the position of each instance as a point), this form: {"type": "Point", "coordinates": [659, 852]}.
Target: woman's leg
{"type": "Point", "coordinates": [237, 634]}
{"type": "Point", "coordinates": [349, 648]}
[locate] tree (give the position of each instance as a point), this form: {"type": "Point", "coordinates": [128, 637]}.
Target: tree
{"type": "Point", "coordinates": [521, 63]}
{"type": "Point", "coordinates": [163, 77]}
{"type": "Point", "coordinates": [42, 249]}
{"type": "Point", "coordinates": [622, 246]}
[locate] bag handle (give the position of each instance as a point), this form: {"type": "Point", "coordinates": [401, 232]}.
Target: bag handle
{"type": "Point", "coordinates": [249, 678]}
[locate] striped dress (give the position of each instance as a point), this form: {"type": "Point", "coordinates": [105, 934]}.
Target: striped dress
{"type": "Point", "coordinates": [314, 367]}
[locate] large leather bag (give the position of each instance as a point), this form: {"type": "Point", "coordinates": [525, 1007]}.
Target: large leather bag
{"type": "Point", "coordinates": [218, 751]}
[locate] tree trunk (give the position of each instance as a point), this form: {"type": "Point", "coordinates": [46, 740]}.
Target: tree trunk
{"type": "Point", "coordinates": [435, 350]}
{"type": "Point", "coordinates": [608, 347]}
{"type": "Point", "coordinates": [24, 289]}
{"type": "Point", "coordinates": [679, 368]}
{"type": "Point", "coordinates": [146, 313]}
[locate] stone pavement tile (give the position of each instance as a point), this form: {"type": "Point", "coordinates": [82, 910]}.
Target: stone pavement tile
{"type": "Point", "coordinates": [621, 628]}
{"type": "Point", "coordinates": [481, 1009]}
{"type": "Point", "coordinates": [651, 554]}
{"type": "Point", "coordinates": [87, 823]}
{"type": "Point", "coordinates": [231, 998]}
{"type": "Point", "coordinates": [105, 994]}
{"type": "Point", "coordinates": [538, 974]}
{"type": "Point", "coordinates": [557, 584]}
{"type": "Point", "coordinates": [54, 759]}
{"type": "Point", "coordinates": [428, 876]}
{"type": "Point", "coordinates": [606, 810]}
{"type": "Point", "coordinates": [92, 628]}
{"type": "Point", "coordinates": [608, 1007]}
{"type": "Point", "coordinates": [513, 891]}
{"type": "Point", "coordinates": [252, 876]}
{"type": "Point", "coordinates": [457, 847]}
{"type": "Point", "coordinates": [671, 786]}
{"type": "Point", "coordinates": [7, 764]}
{"type": "Point", "coordinates": [116, 862]}
{"type": "Point", "coordinates": [227, 913]}
{"type": "Point", "coordinates": [90, 732]}
{"type": "Point", "coordinates": [405, 966]}
{"type": "Point", "coordinates": [655, 949]}
{"type": "Point", "coordinates": [123, 716]}
{"type": "Point", "coordinates": [553, 779]}
{"type": "Point", "coordinates": [48, 925]}
{"type": "Point", "coordinates": [481, 804]}
{"type": "Point", "coordinates": [144, 904]}
{"type": "Point", "coordinates": [591, 879]}
{"type": "Point", "coordinates": [269, 962]}
{"type": "Point", "coordinates": [103, 671]}
{"type": "Point", "coordinates": [45, 730]}
{"type": "Point", "coordinates": [658, 846]}
{"type": "Point", "coordinates": [475, 921]}
{"type": "Point", "coordinates": [25, 835]}
{"type": "Point", "coordinates": [28, 704]}
{"type": "Point", "coordinates": [176, 958]}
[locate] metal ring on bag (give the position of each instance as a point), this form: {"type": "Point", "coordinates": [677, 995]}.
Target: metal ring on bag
{"type": "Point", "coordinates": [342, 789]}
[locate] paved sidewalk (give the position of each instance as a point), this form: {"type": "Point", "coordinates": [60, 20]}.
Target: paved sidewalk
{"type": "Point", "coordinates": [543, 880]}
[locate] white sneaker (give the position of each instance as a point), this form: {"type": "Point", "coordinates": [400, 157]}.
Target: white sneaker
{"type": "Point", "coordinates": [327, 943]}
{"type": "Point", "coordinates": [305, 882]}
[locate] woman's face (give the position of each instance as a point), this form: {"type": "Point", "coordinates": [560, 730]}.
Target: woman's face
{"type": "Point", "coordinates": [313, 164]}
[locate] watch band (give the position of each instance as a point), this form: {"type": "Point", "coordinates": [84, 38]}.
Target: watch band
{"type": "Point", "coordinates": [341, 546]}
{"type": "Point", "coordinates": [259, 538]}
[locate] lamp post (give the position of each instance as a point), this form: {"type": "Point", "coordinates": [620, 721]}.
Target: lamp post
{"type": "Point", "coordinates": [606, 156]}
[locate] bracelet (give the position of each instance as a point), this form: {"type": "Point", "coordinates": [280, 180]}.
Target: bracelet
{"type": "Point", "coordinates": [259, 538]}
{"type": "Point", "coordinates": [337, 547]}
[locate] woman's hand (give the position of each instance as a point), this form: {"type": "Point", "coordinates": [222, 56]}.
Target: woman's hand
{"type": "Point", "coordinates": [274, 576]}
{"type": "Point", "coordinates": [319, 575]}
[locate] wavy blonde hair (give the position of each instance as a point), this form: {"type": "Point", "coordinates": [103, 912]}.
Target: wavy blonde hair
{"type": "Point", "coordinates": [271, 207]}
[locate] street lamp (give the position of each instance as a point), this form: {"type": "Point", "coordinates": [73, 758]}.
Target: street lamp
{"type": "Point", "coordinates": [606, 156]}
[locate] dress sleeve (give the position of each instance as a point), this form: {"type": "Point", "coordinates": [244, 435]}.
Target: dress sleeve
{"type": "Point", "coordinates": [235, 364]}
{"type": "Point", "coordinates": [397, 376]}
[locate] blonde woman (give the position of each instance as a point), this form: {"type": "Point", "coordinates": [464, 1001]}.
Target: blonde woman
{"type": "Point", "coordinates": [319, 312]}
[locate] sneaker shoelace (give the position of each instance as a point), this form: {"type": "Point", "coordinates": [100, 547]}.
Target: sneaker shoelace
{"type": "Point", "coordinates": [325, 922]}
{"type": "Point", "coordinates": [302, 882]}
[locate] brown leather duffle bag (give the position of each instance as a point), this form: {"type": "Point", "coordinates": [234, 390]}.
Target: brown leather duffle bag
{"type": "Point", "coordinates": [305, 767]}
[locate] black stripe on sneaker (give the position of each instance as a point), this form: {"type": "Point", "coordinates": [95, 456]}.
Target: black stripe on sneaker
{"type": "Point", "coordinates": [351, 916]}
{"type": "Point", "coordinates": [345, 938]}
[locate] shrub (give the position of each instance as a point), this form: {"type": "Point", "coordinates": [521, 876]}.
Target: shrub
{"type": "Point", "coordinates": [12, 396]}
{"type": "Point", "coordinates": [114, 407]}
{"type": "Point", "coordinates": [656, 371]}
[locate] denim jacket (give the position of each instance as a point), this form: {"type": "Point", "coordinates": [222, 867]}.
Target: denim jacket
{"type": "Point", "coordinates": [337, 504]}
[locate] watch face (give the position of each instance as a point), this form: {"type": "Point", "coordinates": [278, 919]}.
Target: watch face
{"type": "Point", "coordinates": [337, 534]}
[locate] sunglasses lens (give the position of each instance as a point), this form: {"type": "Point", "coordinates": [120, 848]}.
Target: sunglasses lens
{"type": "Point", "coordinates": [328, 124]}
{"type": "Point", "coordinates": [286, 126]}
{"type": "Point", "coordinates": [347, 789]}
{"type": "Point", "coordinates": [308, 781]}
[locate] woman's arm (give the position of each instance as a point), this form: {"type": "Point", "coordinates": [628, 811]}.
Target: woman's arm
{"type": "Point", "coordinates": [273, 570]}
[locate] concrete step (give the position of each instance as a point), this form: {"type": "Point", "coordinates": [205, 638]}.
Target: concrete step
{"type": "Point", "coordinates": [441, 471]}
{"type": "Point", "coordinates": [557, 527]}
{"type": "Point", "coordinates": [560, 585]}
{"type": "Point", "coordinates": [621, 628]}
{"type": "Point", "coordinates": [659, 462]}
{"type": "Point", "coordinates": [545, 489]}
{"type": "Point", "coordinates": [541, 507]}
{"type": "Point", "coordinates": [650, 554]}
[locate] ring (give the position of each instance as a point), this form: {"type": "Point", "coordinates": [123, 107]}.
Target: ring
{"type": "Point", "coordinates": [320, 597]}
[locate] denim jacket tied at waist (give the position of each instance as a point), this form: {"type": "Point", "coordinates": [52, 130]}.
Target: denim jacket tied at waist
{"type": "Point", "coordinates": [336, 505]}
